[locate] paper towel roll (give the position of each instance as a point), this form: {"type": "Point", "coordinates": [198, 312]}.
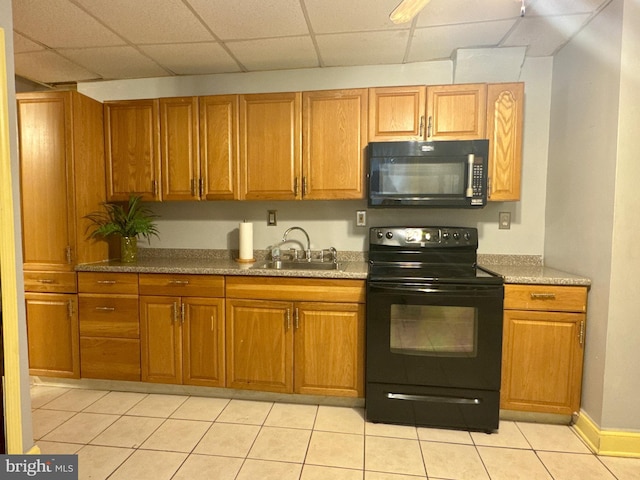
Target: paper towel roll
{"type": "Point", "coordinates": [246, 241]}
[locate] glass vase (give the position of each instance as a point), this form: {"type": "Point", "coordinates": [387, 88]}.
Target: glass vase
{"type": "Point", "coordinates": [129, 249]}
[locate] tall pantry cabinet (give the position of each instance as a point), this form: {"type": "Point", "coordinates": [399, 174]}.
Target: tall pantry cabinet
{"type": "Point", "coordinates": [62, 178]}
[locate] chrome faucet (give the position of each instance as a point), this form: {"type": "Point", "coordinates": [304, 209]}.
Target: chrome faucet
{"type": "Point", "coordinates": [308, 250]}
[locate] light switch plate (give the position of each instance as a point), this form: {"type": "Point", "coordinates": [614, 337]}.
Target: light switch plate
{"type": "Point", "coordinates": [361, 218]}
{"type": "Point", "coordinates": [272, 218]}
{"type": "Point", "coordinates": [504, 220]}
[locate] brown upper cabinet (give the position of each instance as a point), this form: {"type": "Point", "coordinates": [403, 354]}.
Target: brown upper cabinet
{"type": "Point", "coordinates": [505, 111]}
{"type": "Point", "coordinates": [456, 112]}
{"type": "Point", "coordinates": [333, 144]}
{"type": "Point", "coordinates": [62, 180]}
{"type": "Point", "coordinates": [270, 146]}
{"type": "Point", "coordinates": [397, 113]}
{"type": "Point", "coordinates": [440, 112]}
{"type": "Point", "coordinates": [179, 150]}
{"type": "Point", "coordinates": [219, 167]}
{"type": "Point", "coordinates": [132, 148]}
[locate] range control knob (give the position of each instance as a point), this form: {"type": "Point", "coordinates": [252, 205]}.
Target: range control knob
{"type": "Point", "coordinates": [389, 235]}
{"type": "Point", "coordinates": [445, 235]}
{"type": "Point", "coordinates": [427, 236]}
{"type": "Point", "coordinates": [379, 234]}
{"type": "Point", "coordinates": [456, 236]}
{"type": "Point", "coordinates": [467, 236]}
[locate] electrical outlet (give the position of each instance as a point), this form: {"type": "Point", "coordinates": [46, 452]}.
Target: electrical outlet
{"type": "Point", "coordinates": [504, 220]}
{"type": "Point", "coordinates": [361, 218]}
{"type": "Point", "coordinates": [272, 218]}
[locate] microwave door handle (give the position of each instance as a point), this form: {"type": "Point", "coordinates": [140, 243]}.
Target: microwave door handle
{"type": "Point", "coordinates": [470, 160]}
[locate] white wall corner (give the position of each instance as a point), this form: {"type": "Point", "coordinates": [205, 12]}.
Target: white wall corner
{"type": "Point", "coordinates": [472, 65]}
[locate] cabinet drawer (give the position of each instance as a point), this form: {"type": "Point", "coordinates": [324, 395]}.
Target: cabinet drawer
{"type": "Point", "coordinates": [50, 282]}
{"type": "Point", "coordinates": [99, 282]}
{"type": "Point", "coordinates": [110, 358]}
{"type": "Point", "coordinates": [296, 289]}
{"type": "Point", "coordinates": [182, 285]}
{"type": "Point", "coordinates": [109, 316]}
{"type": "Point", "coordinates": [545, 297]}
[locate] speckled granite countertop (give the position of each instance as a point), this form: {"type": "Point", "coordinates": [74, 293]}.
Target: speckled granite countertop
{"type": "Point", "coordinates": [529, 269]}
{"type": "Point", "coordinates": [352, 265]}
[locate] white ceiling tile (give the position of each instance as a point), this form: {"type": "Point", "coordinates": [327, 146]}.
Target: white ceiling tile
{"type": "Point", "coordinates": [60, 24]}
{"type": "Point", "coordinates": [49, 67]}
{"type": "Point", "coordinates": [116, 62]}
{"type": "Point", "coordinates": [439, 42]}
{"type": "Point", "coordinates": [366, 48]}
{"type": "Point", "coordinates": [545, 34]}
{"type": "Point", "coordinates": [443, 12]}
{"type": "Point", "coordinates": [23, 45]}
{"type": "Point", "coordinates": [555, 7]}
{"type": "Point", "coordinates": [149, 21]}
{"type": "Point", "coordinates": [192, 58]}
{"type": "Point", "coordinates": [248, 19]}
{"type": "Point", "coordinates": [275, 53]}
{"type": "Point", "coordinates": [340, 16]}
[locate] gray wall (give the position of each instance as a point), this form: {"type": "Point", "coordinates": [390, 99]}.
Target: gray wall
{"type": "Point", "coordinates": [592, 219]}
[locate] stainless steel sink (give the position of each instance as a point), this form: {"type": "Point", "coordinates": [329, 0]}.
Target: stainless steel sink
{"type": "Point", "coordinates": [284, 265]}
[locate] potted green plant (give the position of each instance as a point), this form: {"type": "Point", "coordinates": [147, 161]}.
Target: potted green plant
{"type": "Point", "coordinates": [127, 220]}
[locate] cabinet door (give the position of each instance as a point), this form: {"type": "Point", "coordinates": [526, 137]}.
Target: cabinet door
{"type": "Point", "coordinates": [505, 110]}
{"type": "Point", "coordinates": [397, 113]}
{"type": "Point", "coordinates": [132, 137]}
{"type": "Point", "coordinates": [259, 345]}
{"type": "Point", "coordinates": [329, 349]}
{"type": "Point", "coordinates": [456, 112]}
{"type": "Point", "coordinates": [542, 361]}
{"type": "Point", "coordinates": [160, 339]}
{"type": "Point", "coordinates": [203, 342]}
{"type": "Point", "coordinates": [219, 147]}
{"type": "Point", "coordinates": [334, 139]}
{"type": "Point", "coordinates": [179, 148]}
{"type": "Point", "coordinates": [47, 186]}
{"type": "Point", "coordinates": [270, 146]}
{"type": "Point", "coordinates": [52, 331]}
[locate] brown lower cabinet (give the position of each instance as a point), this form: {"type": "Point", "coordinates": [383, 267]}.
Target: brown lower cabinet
{"type": "Point", "coordinates": [295, 335]}
{"type": "Point", "coordinates": [543, 348]}
{"type": "Point", "coordinates": [182, 336]}
{"type": "Point", "coordinates": [52, 331]}
{"type": "Point", "coordinates": [109, 326]}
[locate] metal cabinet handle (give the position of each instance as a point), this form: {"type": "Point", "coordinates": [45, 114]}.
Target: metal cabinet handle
{"type": "Point", "coordinates": [46, 280]}
{"type": "Point", "coordinates": [106, 309]}
{"type": "Point", "coordinates": [179, 282]}
{"type": "Point", "coordinates": [421, 131]}
{"type": "Point", "coordinates": [537, 296]}
{"type": "Point", "coordinates": [175, 312]}
{"type": "Point", "coordinates": [581, 333]}
{"type": "Point", "coordinates": [296, 319]}
{"type": "Point", "coordinates": [287, 318]}
{"type": "Point", "coordinates": [295, 187]}
{"type": "Point", "coordinates": [182, 313]}
{"type": "Point", "coordinates": [106, 282]}
{"type": "Point", "coordinates": [304, 185]}
{"type": "Point", "coordinates": [429, 128]}
{"type": "Point", "coordinates": [70, 308]}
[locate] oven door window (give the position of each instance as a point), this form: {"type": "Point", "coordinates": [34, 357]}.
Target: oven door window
{"type": "Point", "coordinates": [434, 330]}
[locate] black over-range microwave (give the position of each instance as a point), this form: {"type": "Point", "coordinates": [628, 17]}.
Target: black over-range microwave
{"type": "Point", "coordinates": [428, 174]}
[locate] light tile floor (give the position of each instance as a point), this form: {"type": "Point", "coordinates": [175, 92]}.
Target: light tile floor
{"type": "Point", "coordinates": [134, 436]}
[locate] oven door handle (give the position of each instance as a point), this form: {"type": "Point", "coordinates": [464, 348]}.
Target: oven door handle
{"type": "Point", "coordinates": [403, 288]}
{"type": "Point", "coordinates": [434, 398]}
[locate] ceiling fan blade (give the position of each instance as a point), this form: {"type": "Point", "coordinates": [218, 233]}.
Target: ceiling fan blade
{"type": "Point", "coordinates": [406, 10]}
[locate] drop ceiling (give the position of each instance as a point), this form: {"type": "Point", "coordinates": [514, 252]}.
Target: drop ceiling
{"type": "Point", "coordinates": [67, 41]}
